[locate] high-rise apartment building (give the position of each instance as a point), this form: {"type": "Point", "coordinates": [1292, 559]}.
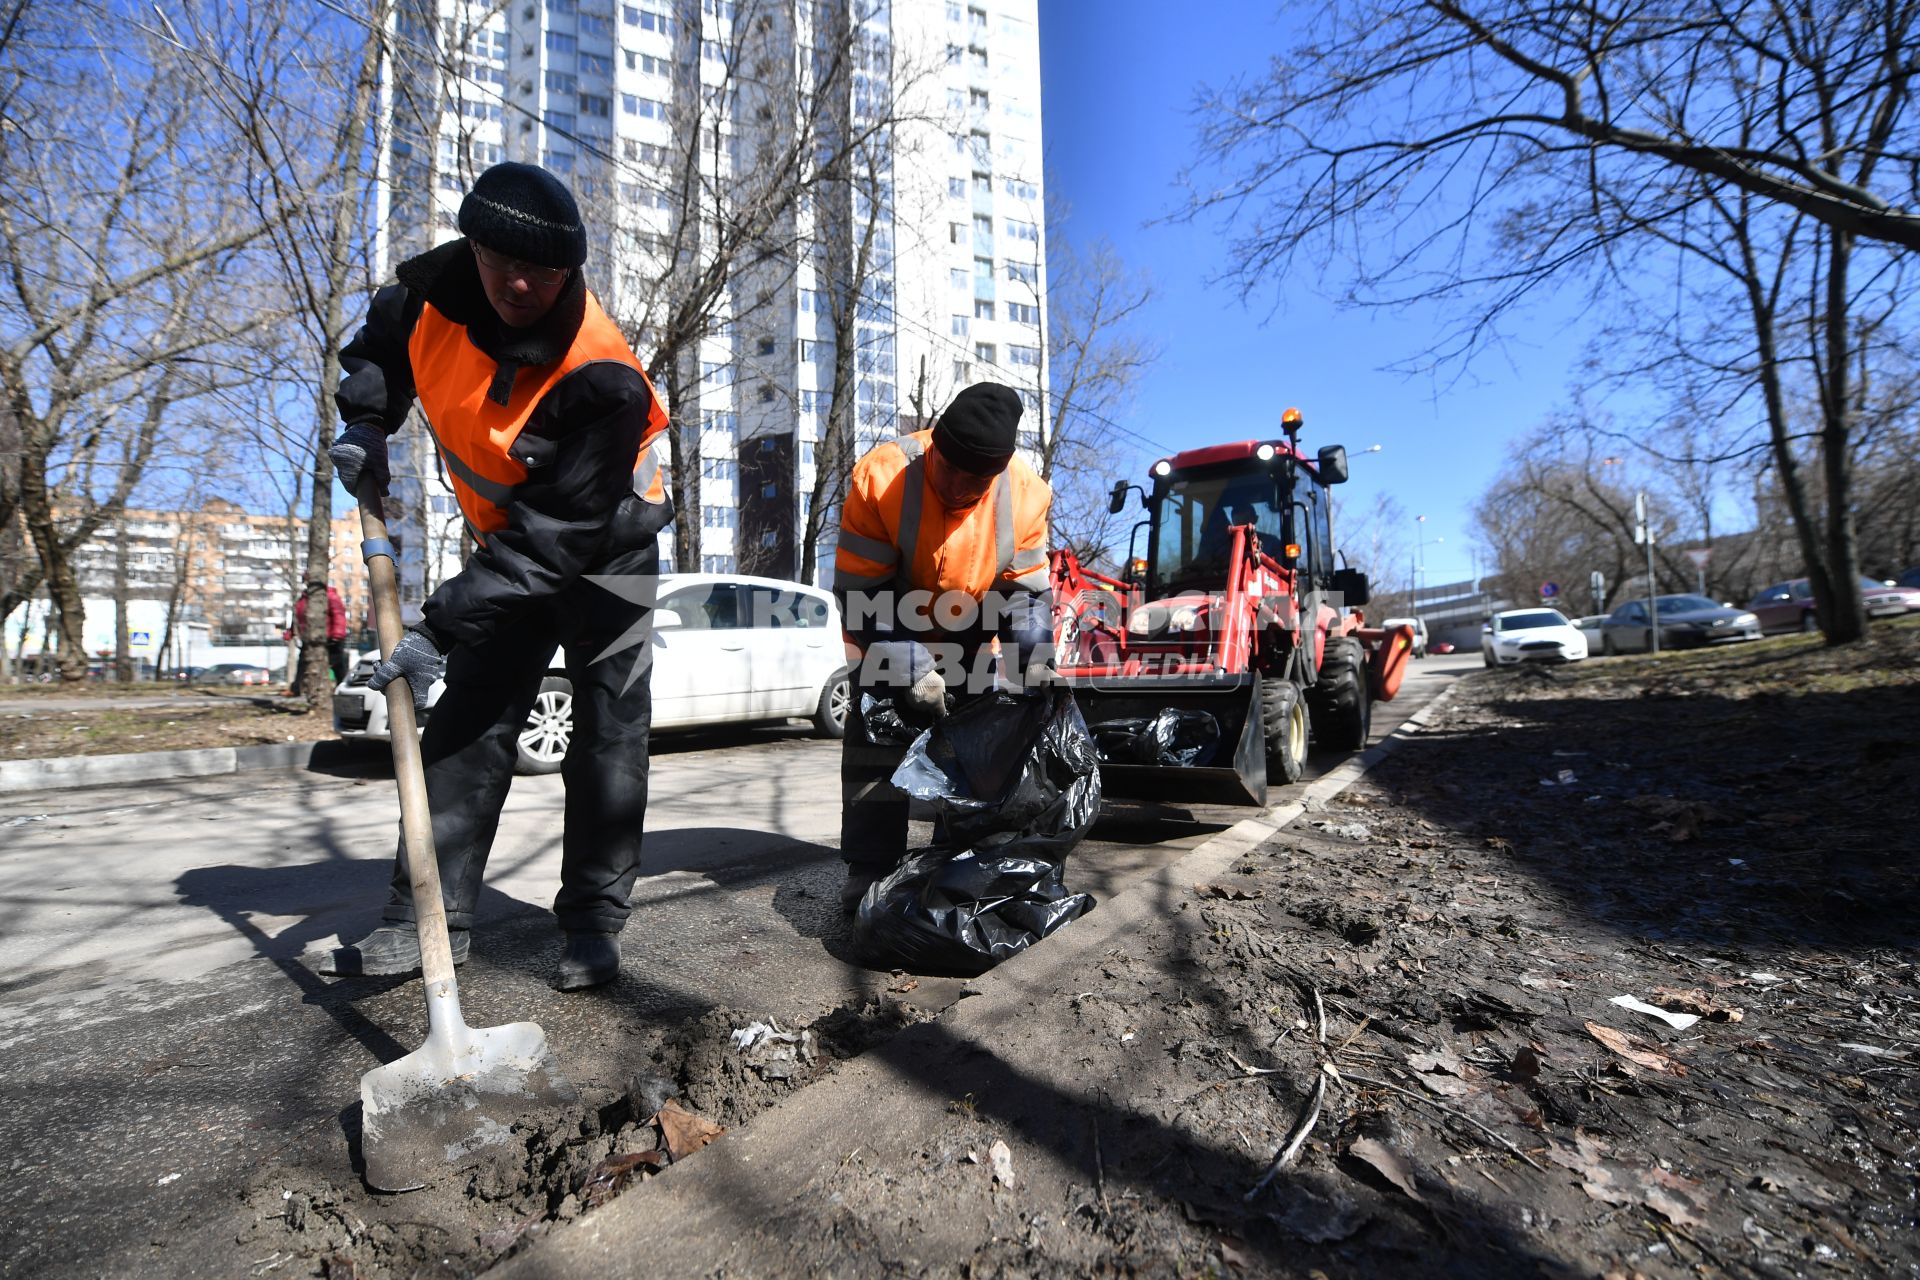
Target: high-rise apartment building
{"type": "Point", "coordinates": [864, 173]}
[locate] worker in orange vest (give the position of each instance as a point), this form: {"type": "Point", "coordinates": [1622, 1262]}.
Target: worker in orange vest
{"type": "Point", "coordinates": [942, 549]}
{"type": "Point", "coordinates": [551, 437]}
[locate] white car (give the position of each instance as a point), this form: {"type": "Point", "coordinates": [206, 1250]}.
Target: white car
{"type": "Point", "coordinates": [1515, 636]}
{"type": "Point", "coordinates": [727, 649]}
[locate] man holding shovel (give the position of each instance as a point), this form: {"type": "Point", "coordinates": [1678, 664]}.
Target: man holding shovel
{"type": "Point", "coordinates": [551, 437]}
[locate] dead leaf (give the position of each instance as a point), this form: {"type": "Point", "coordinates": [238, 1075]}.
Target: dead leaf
{"type": "Point", "coordinates": [1441, 1072]}
{"type": "Point", "coordinates": [610, 1177]}
{"type": "Point", "coordinates": [684, 1131]}
{"type": "Point", "coordinates": [903, 986]}
{"type": "Point", "coordinates": [1002, 1161]}
{"type": "Point", "coordinates": [1231, 1253]}
{"type": "Point", "coordinates": [1695, 1001]}
{"type": "Point", "coordinates": [1500, 843]}
{"type": "Point", "coordinates": [1526, 1064]}
{"type": "Point", "coordinates": [1679, 1200]}
{"type": "Point", "coordinates": [1387, 1163]}
{"type": "Point", "coordinates": [1232, 893]}
{"type": "Point", "coordinates": [339, 1266]}
{"type": "Point", "coordinates": [1635, 1051]}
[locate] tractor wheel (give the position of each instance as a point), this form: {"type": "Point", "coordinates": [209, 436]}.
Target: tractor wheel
{"type": "Point", "coordinates": [1342, 711]}
{"type": "Point", "coordinates": [1283, 717]}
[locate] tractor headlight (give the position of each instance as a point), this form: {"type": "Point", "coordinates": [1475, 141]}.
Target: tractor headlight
{"type": "Point", "coordinates": [1185, 618]}
{"type": "Point", "coordinates": [1141, 623]}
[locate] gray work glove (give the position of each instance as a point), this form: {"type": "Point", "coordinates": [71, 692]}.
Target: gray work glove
{"type": "Point", "coordinates": [418, 659]}
{"type": "Point", "coordinates": [361, 448]}
{"type": "Point", "coordinates": [910, 672]}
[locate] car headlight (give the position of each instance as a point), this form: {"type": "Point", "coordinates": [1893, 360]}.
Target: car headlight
{"type": "Point", "coordinates": [1141, 623]}
{"type": "Point", "coordinates": [1185, 618]}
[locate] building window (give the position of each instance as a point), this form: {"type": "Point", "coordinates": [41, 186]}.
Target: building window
{"type": "Point", "coordinates": [984, 353]}
{"type": "Point", "coordinates": [956, 99]}
{"type": "Point", "coordinates": [956, 233]}
{"type": "Point", "coordinates": [1023, 273]}
{"type": "Point", "coordinates": [980, 143]}
{"type": "Point", "coordinates": [983, 275]}
{"type": "Point", "coordinates": [561, 42]}
{"type": "Point", "coordinates": [953, 55]}
{"type": "Point", "coordinates": [561, 122]}
{"type": "Point", "coordinates": [962, 370]}
{"type": "Point", "coordinates": [596, 26]}
{"type": "Point", "coordinates": [763, 346]}
{"type": "Point", "coordinates": [957, 188]}
{"type": "Point", "coordinates": [645, 108]}
{"type": "Point", "coordinates": [595, 64]}
{"type": "Point", "coordinates": [959, 326]}
{"type": "Point", "coordinates": [977, 20]}
{"type": "Point", "coordinates": [561, 82]}
{"type": "Point", "coordinates": [957, 277]}
{"type": "Point", "coordinates": [1019, 355]}
{"type": "Point", "coordinates": [982, 233]}
{"type": "Point", "coordinates": [977, 99]}
{"type": "Point", "coordinates": [976, 58]}
{"type": "Point", "coordinates": [1021, 313]}
{"type": "Point", "coordinates": [1023, 230]}
{"type": "Point", "coordinates": [982, 309]}
{"type": "Point", "coordinates": [595, 107]}
{"type": "Point", "coordinates": [1020, 189]}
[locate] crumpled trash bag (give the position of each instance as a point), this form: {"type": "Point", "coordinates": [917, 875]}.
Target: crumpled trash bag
{"type": "Point", "coordinates": [1182, 738]}
{"type": "Point", "coordinates": [887, 724]}
{"type": "Point", "coordinates": [1015, 782]}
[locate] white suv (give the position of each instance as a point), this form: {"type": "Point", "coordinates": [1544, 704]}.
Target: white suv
{"type": "Point", "coordinates": [1515, 636]}
{"type": "Point", "coordinates": [726, 649]}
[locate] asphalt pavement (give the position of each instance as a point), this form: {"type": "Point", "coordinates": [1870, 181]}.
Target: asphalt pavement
{"type": "Point", "coordinates": [151, 944]}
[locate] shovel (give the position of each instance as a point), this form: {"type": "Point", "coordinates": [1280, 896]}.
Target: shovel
{"type": "Point", "coordinates": [461, 1091]}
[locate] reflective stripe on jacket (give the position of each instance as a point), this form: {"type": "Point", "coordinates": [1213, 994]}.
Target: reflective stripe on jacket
{"type": "Point", "coordinates": [475, 433]}
{"type": "Point", "coordinates": [896, 533]}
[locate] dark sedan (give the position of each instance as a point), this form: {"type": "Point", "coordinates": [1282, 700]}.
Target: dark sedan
{"type": "Point", "coordinates": [1788, 606]}
{"type": "Point", "coordinates": [1686, 622]}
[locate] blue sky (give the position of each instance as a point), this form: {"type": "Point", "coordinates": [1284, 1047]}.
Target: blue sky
{"type": "Point", "coordinates": [1119, 78]}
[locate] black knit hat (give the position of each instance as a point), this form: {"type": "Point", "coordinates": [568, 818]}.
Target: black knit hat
{"type": "Point", "coordinates": [979, 430]}
{"type": "Point", "coordinates": [525, 212]}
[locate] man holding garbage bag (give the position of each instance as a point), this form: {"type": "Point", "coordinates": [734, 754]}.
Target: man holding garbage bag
{"type": "Point", "coordinates": [942, 549]}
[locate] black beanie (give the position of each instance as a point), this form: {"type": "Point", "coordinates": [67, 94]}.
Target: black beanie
{"type": "Point", "coordinates": [979, 430]}
{"type": "Point", "coordinates": [525, 212]}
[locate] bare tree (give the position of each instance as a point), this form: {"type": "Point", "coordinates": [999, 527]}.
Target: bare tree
{"type": "Point", "coordinates": [1481, 153]}
{"type": "Point", "coordinates": [1094, 359]}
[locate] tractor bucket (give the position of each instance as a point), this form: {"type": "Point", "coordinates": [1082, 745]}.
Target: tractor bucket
{"type": "Point", "coordinates": [1177, 739]}
{"type": "Point", "coordinates": [1388, 650]}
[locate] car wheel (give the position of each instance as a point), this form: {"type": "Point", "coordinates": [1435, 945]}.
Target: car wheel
{"type": "Point", "coordinates": [549, 728]}
{"type": "Point", "coordinates": [1607, 649]}
{"type": "Point", "coordinates": [830, 717]}
{"type": "Point", "coordinates": [1342, 712]}
{"type": "Point", "coordinates": [1486, 659]}
{"type": "Point", "coordinates": [1809, 622]}
{"type": "Point", "coordinates": [1283, 721]}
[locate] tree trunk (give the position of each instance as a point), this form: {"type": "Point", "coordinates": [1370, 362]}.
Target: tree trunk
{"type": "Point", "coordinates": [683, 440]}
{"type": "Point", "coordinates": [1843, 614]}
{"type": "Point", "coordinates": [68, 614]}
{"type": "Point", "coordinates": [122, 648]}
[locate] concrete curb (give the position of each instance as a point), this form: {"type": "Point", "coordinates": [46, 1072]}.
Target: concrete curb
{"type": "Point", "coordinates": [729, 1211]}
{"type": "Point", "coordinates": [61, 772]}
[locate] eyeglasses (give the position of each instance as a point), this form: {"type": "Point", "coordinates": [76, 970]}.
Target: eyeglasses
{"type": "Point", "coordinates": [514, 267]}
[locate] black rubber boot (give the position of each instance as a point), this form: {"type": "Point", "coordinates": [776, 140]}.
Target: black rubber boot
{"type": "Point", "coordinates": [591, 960]}
{"type": "Point", "coordinates": [392, 950]}
{"type": "Point", "coordinates": [858, 882]}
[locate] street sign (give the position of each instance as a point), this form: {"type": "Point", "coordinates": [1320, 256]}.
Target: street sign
{"type": "Point", "coordinates": [1548, 590]}
{"type": "Point", "coordinates": [1699, 556]}
{"type": "Point", "coordinates": [139, 637]}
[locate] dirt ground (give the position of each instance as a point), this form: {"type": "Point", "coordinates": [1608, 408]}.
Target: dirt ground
{"type": "Point", "coordinates": [194, 719]}
{"type": "Point", "coordinates": [1389, 1041]}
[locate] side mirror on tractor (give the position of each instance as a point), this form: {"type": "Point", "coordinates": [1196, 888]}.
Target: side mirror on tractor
{"type": "Point", "coordinates": [1333, 464]}
{"type": "Point", "coordinates": [1117, 500]}
{"type": "Point", "coordinates": [1350, 584]}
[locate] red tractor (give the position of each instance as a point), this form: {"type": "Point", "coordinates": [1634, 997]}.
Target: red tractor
{"type": "Point", "coordinates": [1206, 670]}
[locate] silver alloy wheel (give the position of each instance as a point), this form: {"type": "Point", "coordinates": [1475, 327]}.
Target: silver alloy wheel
{"type": "Point", "coordinates": [840, 701]}
{"type": "Point", "coordinates": [549, 727]}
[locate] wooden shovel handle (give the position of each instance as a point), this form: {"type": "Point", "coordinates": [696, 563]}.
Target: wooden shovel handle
{"type": "Point", "coordinates": [416, 819]}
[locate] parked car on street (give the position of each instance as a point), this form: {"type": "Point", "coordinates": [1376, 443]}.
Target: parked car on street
{"type": "Point", "coordinates": [1515, 636]}
{"type": "Point", "coordinates": [726, 649]}
{"type": "Point", "coordinates": [242, 673]}
{"type": "Point", "coordinates": [1589, 626]}
{"type": "Point", "coordinates": [1788, 606]}
{"type": "Point", "coordinates": [1440, 646]}
{"type": "Point", "coordinates": [1420, 647]}
{"type": "Point", "coordinates": [1686, 622]}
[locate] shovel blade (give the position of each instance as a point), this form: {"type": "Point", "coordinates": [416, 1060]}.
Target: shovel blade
{"type": "Point", "coordinates": [423, 1115]}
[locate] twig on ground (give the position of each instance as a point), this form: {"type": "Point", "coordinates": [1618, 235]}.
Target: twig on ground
{"type": "Point", "coordinates": [1504, 1144]}
{"type": "Point", "coordinates": [1296, 1136]}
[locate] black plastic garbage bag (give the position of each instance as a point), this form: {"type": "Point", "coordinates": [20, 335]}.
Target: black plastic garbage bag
{"type": "Point", "coordinates": [1015, 782]}
{"type": "Point", "coordinates": [884, 722]}
{"type": "Point", "coordinates": [1174, 736]}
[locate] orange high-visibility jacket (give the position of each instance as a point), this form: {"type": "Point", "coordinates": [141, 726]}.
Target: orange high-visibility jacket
{"type": "Point", "coordinates": [895, 533]}
{"type": "Point", "coordinates": [475, 433]}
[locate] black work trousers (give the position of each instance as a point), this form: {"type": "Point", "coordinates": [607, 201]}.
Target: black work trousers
{"type": "Point", "coordinates": [873, 813]}
{"type": "Point", "coordinates": [471, 742]}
